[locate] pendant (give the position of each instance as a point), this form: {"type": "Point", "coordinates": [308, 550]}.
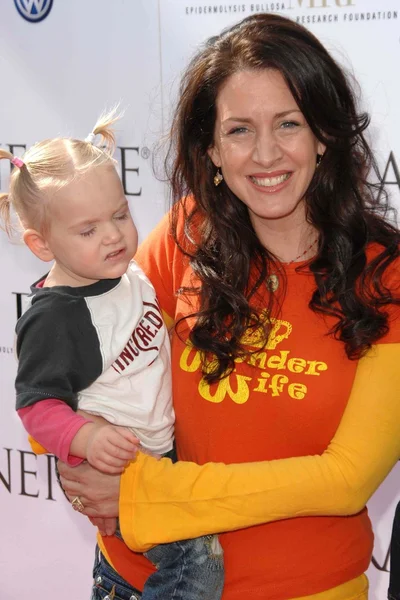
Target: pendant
{"type": "Point", "coordinates": [272, 283]}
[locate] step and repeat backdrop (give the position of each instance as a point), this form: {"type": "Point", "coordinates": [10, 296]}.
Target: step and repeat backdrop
{"type": "Point", "coordinates": [61, 63]}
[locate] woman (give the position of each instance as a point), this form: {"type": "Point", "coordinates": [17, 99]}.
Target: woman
{"type": "Point", "coordinates": [281, 276]}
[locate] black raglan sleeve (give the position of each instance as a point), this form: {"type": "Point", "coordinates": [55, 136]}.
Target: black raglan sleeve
{"type": "Point", "coordinates": [58, 350]}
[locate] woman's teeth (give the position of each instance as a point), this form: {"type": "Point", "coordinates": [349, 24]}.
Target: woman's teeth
{"type": "Point", "coordinates": [270, 181]}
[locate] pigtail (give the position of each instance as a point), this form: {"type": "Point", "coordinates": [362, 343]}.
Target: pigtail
{"type": "Point", "coordinates": [17, 162]}
{"type": "Point", "coordinates": [5, 199]}
{"type": "Point", "coordinates": [5, 214]}
{"type": "Point", "coordinates": [6, 154]}
{"type": "Point", "coordinates": [104, 128]}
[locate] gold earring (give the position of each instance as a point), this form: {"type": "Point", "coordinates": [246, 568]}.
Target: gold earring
{"type": "Point", "coordinates": [218, 178]}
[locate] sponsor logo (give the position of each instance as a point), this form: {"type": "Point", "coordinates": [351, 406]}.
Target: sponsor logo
{"type": "Point", "coordinates": [321, 3]}
{"type": "Point", "coordinates": [257, 7]}
{"type": "Point", "coordinates": [20, 474]}
{"type": "Point", "coordinates": [388, 180]}
{"type": "Point", "coordinates": [306, 12]}
{"type": "Point", "coordinates": [33, 10]}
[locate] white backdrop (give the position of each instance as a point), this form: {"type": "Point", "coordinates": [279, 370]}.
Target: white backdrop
{"type": "Point", "coordinates": [56, 76]}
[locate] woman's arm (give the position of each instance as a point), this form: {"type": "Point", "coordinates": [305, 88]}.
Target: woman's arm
{"type": "Point", "coordinates": [194, 500]}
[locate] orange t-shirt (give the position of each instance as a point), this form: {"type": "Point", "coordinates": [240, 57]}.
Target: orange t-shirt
{"type": "Point", "coordinates": [287, 401]}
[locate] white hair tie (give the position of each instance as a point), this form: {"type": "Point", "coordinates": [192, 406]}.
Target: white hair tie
{"type": "Point", "coordinates": [90, 138]}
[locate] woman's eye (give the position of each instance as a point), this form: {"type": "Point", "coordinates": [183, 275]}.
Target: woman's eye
{"type": "Point", "coordinates": [289, 124]}
{"type": "Point", "coordinates": [238, 130]}
{"type": "Point", "coordinates": [88, 233]}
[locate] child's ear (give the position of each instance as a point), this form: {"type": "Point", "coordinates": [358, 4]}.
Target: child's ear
{"type": "Point", "coordinates": [38, 245]}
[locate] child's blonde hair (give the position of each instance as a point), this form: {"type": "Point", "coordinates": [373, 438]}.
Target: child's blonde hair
{"type": "Point", "coordinates": [50, 165]}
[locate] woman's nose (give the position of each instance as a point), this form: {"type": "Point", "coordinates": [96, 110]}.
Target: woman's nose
{"type": "Point", "coordinates": [267, 150]}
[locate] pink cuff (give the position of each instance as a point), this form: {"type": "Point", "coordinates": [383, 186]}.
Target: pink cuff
{"type": "Point", "coordinates": [54, 425]}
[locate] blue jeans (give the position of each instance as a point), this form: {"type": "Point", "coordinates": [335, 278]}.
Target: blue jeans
{"type": "Point", "coordinates": [187, 570]}
{"type": "Point", "coordinates": [394, 584]}
{"type": "Point", "coordinates": [107, 584]}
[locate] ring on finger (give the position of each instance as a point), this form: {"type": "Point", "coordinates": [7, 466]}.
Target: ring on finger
{"type": "Point", "coordinates": [77, 504]}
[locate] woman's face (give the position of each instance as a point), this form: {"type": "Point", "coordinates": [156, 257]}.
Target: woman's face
{"type": "Point", "coordinates": [265, 149]}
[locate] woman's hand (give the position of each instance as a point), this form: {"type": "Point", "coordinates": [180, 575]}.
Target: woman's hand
{"type": "Point", "coordinates": [106, 526]}
{"type": "Point", "coordinates": [97, 492]}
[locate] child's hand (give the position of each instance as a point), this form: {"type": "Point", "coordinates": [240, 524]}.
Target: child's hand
{"type": "Point", "coordinates": [110, 448]}
{"type": "Point", "coordinates": [106, 526]}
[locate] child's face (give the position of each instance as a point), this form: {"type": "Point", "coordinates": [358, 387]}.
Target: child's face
{"type": "Point", "coordinates": [92, 234]}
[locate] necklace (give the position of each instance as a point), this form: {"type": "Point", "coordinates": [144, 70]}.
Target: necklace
{"type": "Point", "coordinates": [303, 253]}
{"type": "Point", "coordinates": [272, 281]}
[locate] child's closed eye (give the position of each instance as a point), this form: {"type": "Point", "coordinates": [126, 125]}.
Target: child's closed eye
{"type": "Point", "coordinates": [88, 233]}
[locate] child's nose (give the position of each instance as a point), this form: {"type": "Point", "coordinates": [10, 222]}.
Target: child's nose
{"type": "Point", "coordinates": [113, 234]}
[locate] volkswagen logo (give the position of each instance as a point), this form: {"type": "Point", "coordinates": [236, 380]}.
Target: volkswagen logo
{"type": "Point", "coordinates": [33, 10]}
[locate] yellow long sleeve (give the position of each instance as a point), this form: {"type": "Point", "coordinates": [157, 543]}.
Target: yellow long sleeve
{"type": "Point", "coordinates": [163, 502]}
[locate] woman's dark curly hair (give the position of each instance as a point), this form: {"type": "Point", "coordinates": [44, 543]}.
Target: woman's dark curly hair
{"type": "Point", "coordinates": [348, 212]}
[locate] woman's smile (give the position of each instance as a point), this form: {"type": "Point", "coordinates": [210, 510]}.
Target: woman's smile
{"type": "Point", "coordinates": [270, 183]}
{"type": "Point", "coordinates": [264, 147]}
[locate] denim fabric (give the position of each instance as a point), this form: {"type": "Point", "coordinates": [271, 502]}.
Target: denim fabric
{"type": "Point", "coordinates": [186, 570]}
{"type": "Point", "coordinates": [108, 585]}
{"type": "Point", "coordinates": [394, 583]}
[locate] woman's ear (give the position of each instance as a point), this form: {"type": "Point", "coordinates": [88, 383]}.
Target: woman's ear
{"type": "Point", "coordinates": [215, 156]}
{"type": "Point", "coordinates": [321, 148]}
{"type": "Point", "coordinates": [37, 245]}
